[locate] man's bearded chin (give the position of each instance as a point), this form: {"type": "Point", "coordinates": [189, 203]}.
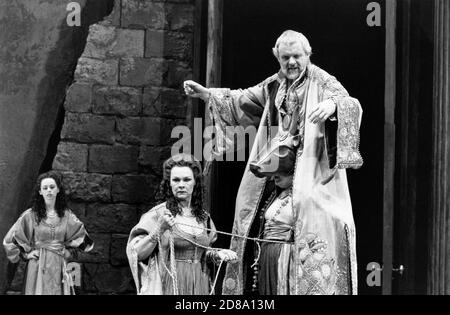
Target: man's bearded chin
{"type": "Point", "coordinates": [293, 73]}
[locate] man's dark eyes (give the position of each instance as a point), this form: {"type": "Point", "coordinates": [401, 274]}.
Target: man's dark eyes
{"type": "Point", "coordinates": [295, 57]}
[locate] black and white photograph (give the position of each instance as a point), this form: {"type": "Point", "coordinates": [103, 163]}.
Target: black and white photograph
{"type": "Point", "coordinates": [228, 152]}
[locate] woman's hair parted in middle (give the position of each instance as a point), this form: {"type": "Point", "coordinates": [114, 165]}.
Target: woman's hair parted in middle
{"type": "Point", "coordinates": [37, 201]}
{"type": "Point", "coordinates": [165, 193]}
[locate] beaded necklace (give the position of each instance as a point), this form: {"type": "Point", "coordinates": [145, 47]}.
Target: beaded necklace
{"type": "Point", "coordinates": [286, 199]}
{"type": "Point", "coordinates": [262, 215]}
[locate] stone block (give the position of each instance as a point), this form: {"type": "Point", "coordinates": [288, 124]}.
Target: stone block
{"type": "Point", "coordinates": [106, 41]}
{"type": "Point", "coordinates": [133, 188]}
{"type": "Point", "coordinates": [129, 43]}
{"type": "Point", "coordinates": [181, 17]}
{"type": "Point", "coordinates": [71, 157]}
{"type": "Point", "coordinates": [104, 278]}
{"type": "Point", "coordinates": [142, 71]}
{"type": "Point", "coordinates": [177, 73]}
{"type": "Point", "coordinates": [87, 187]}
{"type": "Point", "coordinates": [155, 43]}
{"type": "Point", "coordinates": [78, 98]}
{"type": "Point", "coordinates": [99, 41]}
{"type": "Point", "coordinates": [174, 15]}
{"type": "Point", "coordinates": [99, 71]}
{"type": "Point", "coordinates": [110, 218]}
{"type": "Point", "coordinates": [162, 102]}
{"type": "Point", "coordinates": [139, 130]}
{"type": "Point", "coordinates": [173, 45]}
{"type": "Point", "coordinates": [118, 250]}
{"type": "Point", "coordinates": [153, 157]}
{"type": "Point", "coordinates": [79, 209]}
{"type": "Point", "coordinates": [100, 252]}
{"type": "Point", "coordinates": [151, 102]}
{"type": "Point", "coordinates": [124, 101]}
{"type": "Point", "coordinates": [169, 126]}
{"type": "Point", "coordinates": [144, 208]}
{"type": "Point", "coordinates": [88, 128]}
{"type": "Point", "coordinates": [144, 14]}
{"type": "Point", "coordinates": [113, 159]}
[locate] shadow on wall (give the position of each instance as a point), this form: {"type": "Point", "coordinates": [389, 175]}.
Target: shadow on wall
{"type": "Point", "coordinates": [32, 98]}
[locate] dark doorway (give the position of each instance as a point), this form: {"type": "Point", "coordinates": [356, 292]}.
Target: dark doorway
{"type": "Point", "coordinates": [414, 131]}
{"type": "Point", "coordinates": [346, 47]}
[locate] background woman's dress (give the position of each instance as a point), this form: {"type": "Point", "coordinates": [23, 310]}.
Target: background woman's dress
{"type": "Point", "coordinates": [45, 276]}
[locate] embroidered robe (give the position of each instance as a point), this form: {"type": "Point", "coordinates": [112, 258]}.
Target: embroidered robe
{"type": "Point", "coordinates": [321, 198]}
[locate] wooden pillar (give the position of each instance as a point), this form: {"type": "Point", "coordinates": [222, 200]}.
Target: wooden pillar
{"type": "Point", "coordinates": [389, 145]}
{"type": "Point", "coordinates": [214, 49]}
{"type": "Point", "coordinates": [194, 104]}
{"type": "Point", "coordinates": [439, 263]}
{"type": "Point", "coordinates": [213, 79]}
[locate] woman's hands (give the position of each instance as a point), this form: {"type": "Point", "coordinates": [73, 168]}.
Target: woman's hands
{"type": "Point", "coordinates": [67, 254]}
{"type": "Point", "coordinates": [226, 255]}
{"type": "Point", "coordinates": [166, 221]}
{"type": "Point", "coordinates": [32, 255]}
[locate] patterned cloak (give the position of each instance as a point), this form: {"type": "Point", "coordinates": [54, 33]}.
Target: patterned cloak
{"type": "Point", "coordinates": [321, 196]}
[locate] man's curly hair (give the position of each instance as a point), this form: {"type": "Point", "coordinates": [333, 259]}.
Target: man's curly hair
{"type": "Point", "coordinates": [38, 203]}
{"type": "Point", "coordinates": [165, 193]}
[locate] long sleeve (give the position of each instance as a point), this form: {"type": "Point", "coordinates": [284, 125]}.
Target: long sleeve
{"type": "Point", "coordinates": [348, 136]}
{"type": "Point", "coordinates": [331, 87]}
{"type": "Point", "coordinates": [242, 107]}
{"type": "Point", "coordinates": [147, 226]}
{"type": "Point", "coordinates": [77, 238]}
{"type": "Point", "coordinates": [211, 254]}
{"type": "Point", "coordinates": [19, 239]}
{"type": "Point", "coordinates": [231, 108]}
{"type": "Point", "coordinates": [343, 135]}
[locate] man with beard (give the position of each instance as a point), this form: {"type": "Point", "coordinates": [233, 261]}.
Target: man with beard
{"type": "Point", "coordinates": [314, 117]}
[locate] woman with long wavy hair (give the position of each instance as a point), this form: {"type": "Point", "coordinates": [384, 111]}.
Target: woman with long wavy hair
{"type": "Point", "coordinates": [46, 236]}
{"type": "Point", "coordinates": [169, 248]}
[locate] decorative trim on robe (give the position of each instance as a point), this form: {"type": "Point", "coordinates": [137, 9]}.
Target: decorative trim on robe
{"type": "Point", "coordinates": [220, 110]}
{"type": "Point", "coordinates": [349, 113]}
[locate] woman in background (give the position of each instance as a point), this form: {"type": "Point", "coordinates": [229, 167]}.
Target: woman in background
{"type": "Point", "coordinates": [47, 235]}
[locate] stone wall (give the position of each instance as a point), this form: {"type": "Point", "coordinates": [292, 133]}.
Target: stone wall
{"type": "Point", "coordinates": [38, 56]}
{"type": "Point", "coordinates": [120, 111]}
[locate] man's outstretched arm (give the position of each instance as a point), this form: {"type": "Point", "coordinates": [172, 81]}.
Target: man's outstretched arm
{"type": "Point", "coordinates": [232, 107]}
